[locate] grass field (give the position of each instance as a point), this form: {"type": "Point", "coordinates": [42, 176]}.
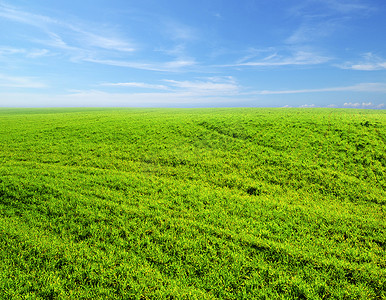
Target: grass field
{"type": "Point", "coordinates": [192, 204]}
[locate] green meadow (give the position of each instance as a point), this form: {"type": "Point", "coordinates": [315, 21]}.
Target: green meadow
{"type": "Point", "coordinates": [232, 203]}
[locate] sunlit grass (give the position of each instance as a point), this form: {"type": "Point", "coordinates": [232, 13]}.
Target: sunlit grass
{"type": "Point", "coordinates": [192, 203]}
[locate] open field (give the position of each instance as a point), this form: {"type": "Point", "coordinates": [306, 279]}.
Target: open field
{"type": "Point", "coordinates": [192, 203]}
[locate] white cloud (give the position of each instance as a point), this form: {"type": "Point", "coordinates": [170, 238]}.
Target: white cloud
{"type": "Point", "coordinates": [319, 19]}
{"type": "Point", "coordinates": [349, 104]}
{"type": "Point", "coordinates": [211, 91]}
{"type": "Point", "coordinates": [38, 53]}
{"type": "Point", "coordinates": [312, 31]}
{"type": "Point", "coordinates": [346, 6]}
{"type": "Point", "coordinates": [178, 31]}
{"type": "Point", "coordinates": [20, 82]}
{"type": "Point", "coordinates": [5, 51]}
{"type": "Point", "coordinates": [14, 14]}
{"type": "Point", "coordinates": [210, 86]}
{"type": "Point", "coordinates": [361, 87]}
{"type": "Point", "coordinates": [78, 38]}
{"type": "Point", "coordinates": [307, 105]}
{"type": "Point", "coordinates": [363, 105]}
{"type": "Point", "coordinates": [107, 41]}
{"type": "Point", "coordinates": [176, 50]}
{"type": "Point", "coordinates": [329, 8]}
{"type": "Point", "coordinates": [274, 58]}
{"type": "Point", "coordinates": [178, 63]}
{"type": "Point", "coordinates": [171, 66]}
{"type": "Point", "coordinates": [95, 98]}
{"type": "Point", "coordinates": [29, 53]}
{"type": "Point", "coordinates": [368, 67]}
{"type": "Point", "coordinates": [369, 62]}
{"type": "Point", "coordinates": [137, 85]}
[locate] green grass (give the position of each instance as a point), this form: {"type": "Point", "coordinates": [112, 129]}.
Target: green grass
{"type": "Point", "coordinates": [192, 204]}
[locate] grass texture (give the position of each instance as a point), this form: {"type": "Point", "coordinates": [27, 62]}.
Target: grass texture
{"type": "Point", "coordinates": [250, 203]}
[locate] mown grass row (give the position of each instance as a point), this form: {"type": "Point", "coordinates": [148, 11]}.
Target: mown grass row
{"type": "Point", "coordinates": [194, 204]}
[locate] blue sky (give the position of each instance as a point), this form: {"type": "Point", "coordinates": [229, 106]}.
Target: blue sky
{"type": "Point", "coordinates": [180, 53]}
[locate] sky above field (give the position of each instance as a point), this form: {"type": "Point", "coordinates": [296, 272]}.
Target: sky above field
{"type": "Point", "coordinates": [202, 53]}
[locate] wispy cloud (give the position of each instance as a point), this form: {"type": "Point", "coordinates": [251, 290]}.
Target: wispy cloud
{"type": "Point", "coordinates": [328, 8]}
{"type": "Point", "coordinates": [75, 34]}
{"type": "Point", "coordinates": [178, 31]}
{"type": "Point", "coordinates": [369, 62]}
{"type": "Point", "coordinates": [347, 6]}
{"type": "Point", "coordinates": [6, 51]}
{"type": "Point", "coordinates": [220, 85]}
{"type": "Point", "coordinates": [20, 82]}
{"type": "Point", "coordinates": [319, 19]}
{"type": "Point", "coordinates": [362, 87]}
{"type": "Point", "coordinates": [209, 86]}
{"type": "Point", "coordinates": [29, 53]}
{"type": "Point", "coordinates": [12, 13]}
{"type": "Point", "coordinates": [35, 53]}
{"type": "Point", "coordinates": [178, 50]}
{"type": "Point", "coordinates": [104, 42]}
{"type": "Point", "coordinates": [171, 66]}
{"type": "Point", "coordinates": [310, 31]}
{"type": "Point", "coordinates": [277, 58]}
{"type": "Point", "coordinates": [137, 85]}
